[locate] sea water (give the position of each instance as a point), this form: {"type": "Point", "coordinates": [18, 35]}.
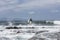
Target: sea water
{"type": "Point", "coordinates": [28, 33]}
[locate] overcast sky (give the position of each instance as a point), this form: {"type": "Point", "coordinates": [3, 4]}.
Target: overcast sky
{"type": "Point", "coordinates": [37, 9]}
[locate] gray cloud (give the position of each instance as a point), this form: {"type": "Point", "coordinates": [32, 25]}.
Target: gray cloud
{"type": "Point", "coordinates": [14, 5]}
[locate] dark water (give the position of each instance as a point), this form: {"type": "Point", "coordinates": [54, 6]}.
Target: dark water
{"type": "Point", "coordinates": [25, 22]}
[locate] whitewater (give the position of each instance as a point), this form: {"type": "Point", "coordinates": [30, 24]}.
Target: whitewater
{"type": "Point", "coordinates": [28, 32]}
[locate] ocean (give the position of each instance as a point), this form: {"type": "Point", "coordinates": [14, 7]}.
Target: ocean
{"type": "Point", "coordinates": [22, 30]}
